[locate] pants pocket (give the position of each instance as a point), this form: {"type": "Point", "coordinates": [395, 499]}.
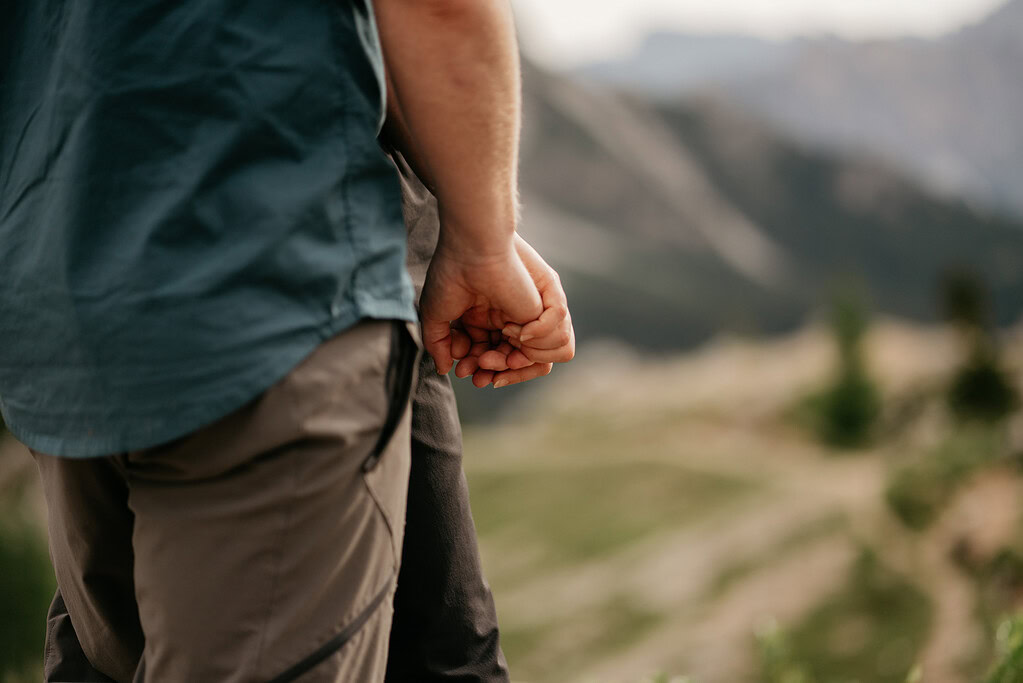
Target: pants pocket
{"type": "Point", "coordinates": [399, 379]}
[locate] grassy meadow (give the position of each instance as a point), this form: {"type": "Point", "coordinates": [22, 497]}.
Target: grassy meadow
{"type": "Point", "coordinates": [678, 515]}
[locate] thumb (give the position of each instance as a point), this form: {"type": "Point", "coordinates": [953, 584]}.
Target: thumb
{"type": "Point", "coordinates": [521, 302]}
{"type": "Point", "coordinates": [437, 341]}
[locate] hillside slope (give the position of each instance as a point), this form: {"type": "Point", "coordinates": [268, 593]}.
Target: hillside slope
{"type": "Point", "coordinates": [674, 221]}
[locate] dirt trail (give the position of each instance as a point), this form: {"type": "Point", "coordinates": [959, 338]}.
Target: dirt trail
{"type": "Point", "coordinates": [986, 512]}
{"type": "Point", "coordinates": [674, 572]}
{"type": "Point", "coordinates": [713, 643]}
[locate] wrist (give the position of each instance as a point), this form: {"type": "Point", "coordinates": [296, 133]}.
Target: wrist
{"type": "Point", "coordinates": [478, 241]}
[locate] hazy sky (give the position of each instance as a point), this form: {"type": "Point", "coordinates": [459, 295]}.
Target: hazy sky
{"type": "Point", "coordinates": [566, 32]}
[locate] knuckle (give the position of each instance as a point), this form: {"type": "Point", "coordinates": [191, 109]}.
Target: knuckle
{"type": "Point", "coordinates": [567, 352]}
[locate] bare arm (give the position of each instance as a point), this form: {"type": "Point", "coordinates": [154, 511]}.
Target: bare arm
{"type": "Point", "coordinates": [453, 71]}
{"type": "Point", "coordinates": [454, 78]}
{"type": "Point", "coordinates": [396, 135]}
{"type": "Point", "coordinates": [454, 112]}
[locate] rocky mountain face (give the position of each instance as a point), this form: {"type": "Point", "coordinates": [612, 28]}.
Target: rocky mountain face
{"type": "Point", "coordinates": [666, 64]}
{"type": "Point", "coordinates": [948, 110]}
{"type": "Point", "coordinates": [671, 222]}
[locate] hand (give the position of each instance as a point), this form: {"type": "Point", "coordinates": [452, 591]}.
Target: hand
{"type": "Point", "coordinates": [493, 288]}
{"type": "Point", "coordinates": [520, 352]}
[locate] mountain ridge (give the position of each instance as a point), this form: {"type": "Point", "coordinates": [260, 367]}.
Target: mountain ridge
{"type": "Point", "coordinates": [736, 224]}
{"type": "Point", "coordinates": [946, 110]}
{"type": "Point", "coordinates": [675, 222]}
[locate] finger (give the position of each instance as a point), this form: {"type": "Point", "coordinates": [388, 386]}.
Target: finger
{"type": "Point", "coordinates": [511, 330]}
{"type": "Point", "coordinates": [559, 355]}
{"type": "Point", "coordinates": [503, 379]}
{"type": "Point", "coordinates": [460, 343]}
{"type": "Point", "coordinates": [518, 360]}
{"type": "Point", "coordinates": [437, 341]}
{"type": "Point", "coordinates": [521, 302]}
{"type": "Point", "coordinates": [547, 282]}
{"type": "Point", "coordinates": [537, 267]}
{"type": "Point", "coordinates": [498, 319]}
{"type": "Point", "coordinates": [466, 366]}
{"type": "Point", "coordinates": [552, 294]}
{"type": "Point", "coordinates": [481, 378]}
{"type": "Point", "coordinates": [560, 336]}
{"type": "Point", "coordinates": [493, 360]}
{"type": "Point", "coordinates": [477, 350]}
{"type": "Point", "coordinates": [555, 312]}
{"type": "Point", "coordinates": [496, 359]}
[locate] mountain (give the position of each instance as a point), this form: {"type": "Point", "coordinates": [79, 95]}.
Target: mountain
{"type": "Point", "coordinates": [948, 110]}
{"type": "Point", "coordinates": [665, 64]}
{"type": "Point", "coordinates": [673, 221]}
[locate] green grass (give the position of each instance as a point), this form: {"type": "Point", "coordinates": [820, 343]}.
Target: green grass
{"type": "Point", "coordinates": [918, 492]}
{"type": "Point", "coordinates": [869, 632]}
{"type": "Point", "coordinates": [562, 514]}
{"type": "Point", "coordinates": [799, 537]}
{"type": "Point", "coordinates": [1008, 667]}
{"type": "Point", "coordinates": [26, 588]}
{"type": "Point", "coordinates": [554, 650]}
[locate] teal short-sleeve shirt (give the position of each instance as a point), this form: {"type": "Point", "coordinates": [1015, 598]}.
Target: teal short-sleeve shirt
{"type": "Point", "coordinates": [192, 198]}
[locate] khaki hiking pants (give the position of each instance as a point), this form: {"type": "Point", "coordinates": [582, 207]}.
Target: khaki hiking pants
{"type": "Point", "coordinates": [263, 547]}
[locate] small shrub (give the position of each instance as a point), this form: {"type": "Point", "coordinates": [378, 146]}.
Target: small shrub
{"type": "Point", "coordinates": [777, 661]}
{"type": "Point", "coordinates": [981, 389]}
{"type": "Point", "coordinates": [849, 410]}
{"type": "Point", "coordinates": [844, 414]}
{"type": "Point", "coordinates": [1008, 667]}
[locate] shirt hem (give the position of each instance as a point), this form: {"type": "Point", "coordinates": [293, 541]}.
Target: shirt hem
{"type": "Point", "coordinates": [274, 369]}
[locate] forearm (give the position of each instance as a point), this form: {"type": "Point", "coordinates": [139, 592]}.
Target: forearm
{"type": "Point", "coordinates": [455, 72]}
{"type": "Point", "coordinates": [397, 137]}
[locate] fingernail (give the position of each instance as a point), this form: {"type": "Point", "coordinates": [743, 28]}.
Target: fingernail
{"type": "Point", "coordinates": [500, 383]}
{"type": "Point", "coordinates": [525, 337]}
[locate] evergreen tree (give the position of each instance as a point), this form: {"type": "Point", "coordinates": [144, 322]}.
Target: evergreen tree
{"type": "Point", "coordinates": [980, 389]}
{"type": "Point", "coordinates": [851, 405]}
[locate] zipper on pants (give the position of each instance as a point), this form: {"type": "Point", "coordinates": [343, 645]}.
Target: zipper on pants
{"type": "Point", "coordinates": [325, 651]}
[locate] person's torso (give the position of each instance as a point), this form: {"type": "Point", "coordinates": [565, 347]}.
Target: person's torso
{"type": "Point", "coordinates": [191, 198]}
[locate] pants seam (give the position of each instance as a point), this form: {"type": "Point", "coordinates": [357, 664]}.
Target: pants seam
{"type": "Point", "coordinates": [387, 522]}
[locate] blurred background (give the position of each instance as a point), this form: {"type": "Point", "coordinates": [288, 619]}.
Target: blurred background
{"type": "Point", "coordinates": [790, 447]}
